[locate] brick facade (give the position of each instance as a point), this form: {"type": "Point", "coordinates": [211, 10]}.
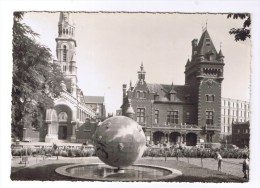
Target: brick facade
{"type": "Point", "coordinates": [183, 114]}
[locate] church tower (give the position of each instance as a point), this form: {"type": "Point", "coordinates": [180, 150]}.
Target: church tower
{"type": "Point", "coordinates": [204, 75]}
{"type": "Point", "coordinates": [65, 51]}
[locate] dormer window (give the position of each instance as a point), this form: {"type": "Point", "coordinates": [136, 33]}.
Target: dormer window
{"type": "Point", "coordinates": [207, 42]}
{"type": "Point", "coordinates": [138, 94]}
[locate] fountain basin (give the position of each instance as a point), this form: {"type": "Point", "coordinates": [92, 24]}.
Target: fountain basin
{"type": "Point", "coordinates": [103, 172]}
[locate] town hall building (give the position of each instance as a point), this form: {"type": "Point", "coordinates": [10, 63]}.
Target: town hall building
{"type": "Point", "coordinates": [181, 114]}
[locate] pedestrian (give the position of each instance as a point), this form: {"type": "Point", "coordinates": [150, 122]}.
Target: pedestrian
{"type": "Point", "coordinates": [245, 166]}
{"type": "Point", "coordinates": [219, 159]}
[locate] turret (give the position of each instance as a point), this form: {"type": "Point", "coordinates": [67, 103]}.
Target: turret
{"type": "Point", "coordinates": [130, 111]}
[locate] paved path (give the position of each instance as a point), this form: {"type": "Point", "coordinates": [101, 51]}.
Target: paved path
{"type": "Point", "coordinates": [229, 166]}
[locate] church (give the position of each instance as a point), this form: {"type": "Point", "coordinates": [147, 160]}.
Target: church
{"type": "Point", "coordinates": [181, 114]}
{"type": "Point", "coordinates": [64, 122]}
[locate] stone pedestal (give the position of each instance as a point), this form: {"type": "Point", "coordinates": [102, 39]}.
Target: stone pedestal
{"type": "Point", "coordinates": [52, 135]}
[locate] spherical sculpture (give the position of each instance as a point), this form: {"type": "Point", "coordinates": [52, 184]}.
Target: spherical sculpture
{"type": "Point", "coordinates": [119, 141]}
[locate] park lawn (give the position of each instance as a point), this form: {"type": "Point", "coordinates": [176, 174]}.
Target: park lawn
{"type": "Point", "coordinates": [45, 170]}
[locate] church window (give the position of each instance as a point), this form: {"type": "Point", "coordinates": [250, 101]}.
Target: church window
{"type": "Point", "coordinates": [140, 115]}
{"type": "Point", "coordinates": [64, 53]}
{"type": "Point", "coordinates": [209, 117]}
{"type": "Point", "coordinates": [66, 31]}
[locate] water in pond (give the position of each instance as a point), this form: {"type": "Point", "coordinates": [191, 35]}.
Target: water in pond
{"type": "Point", "coordinates": [102, 171]}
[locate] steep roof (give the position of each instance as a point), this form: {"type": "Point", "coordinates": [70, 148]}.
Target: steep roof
{"type": "Point", "coordinates": [206, 46]}
{"type": "Point", "coordinates": [94, 99]}
{"type": "Point", "coordinates": [163, 91]}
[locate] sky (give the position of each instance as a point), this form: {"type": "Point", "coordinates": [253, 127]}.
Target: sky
{"type": "Point", "coordinates": [112, 46]}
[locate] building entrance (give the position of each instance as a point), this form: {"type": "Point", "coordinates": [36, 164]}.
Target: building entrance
{"type": "Point", "coordinates": [62, 133]}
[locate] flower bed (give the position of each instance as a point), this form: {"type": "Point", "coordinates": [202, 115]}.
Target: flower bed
{"type": "Point", "coordinates": [65, 152]}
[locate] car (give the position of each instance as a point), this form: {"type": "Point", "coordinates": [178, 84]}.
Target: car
{"type": "Point", "coordinates": [229, 146]}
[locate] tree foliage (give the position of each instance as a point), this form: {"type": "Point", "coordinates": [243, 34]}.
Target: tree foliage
{"type": "Point", "coordinates": [244, 32]}
{"type": "Point", "coordinates": [36, 81]}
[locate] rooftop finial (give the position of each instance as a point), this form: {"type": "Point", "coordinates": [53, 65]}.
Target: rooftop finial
{"type": "Point", "coordinates": [206, 23]}
{"type": "Point", "coordinates": [220, 45]}
{"type": "Point", "coordinates": [142, 66]}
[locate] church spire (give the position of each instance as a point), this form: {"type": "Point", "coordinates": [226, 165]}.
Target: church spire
{"type": "Point", "coordinates": [66, 25]}
{"type": "Point", "coordinates": [66, 51]}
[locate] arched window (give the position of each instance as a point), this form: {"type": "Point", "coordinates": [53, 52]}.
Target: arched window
{"type": "Point", "coordinates": [64, 53]}
{"type": "Point", "coordinates": [63, 116]}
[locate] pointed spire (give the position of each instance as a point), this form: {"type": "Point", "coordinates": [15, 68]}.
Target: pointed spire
{"type": "Point", "coordinates": [188, 61]}
{"type": "Point", "coordinates": [220, 54]}
{"type": "Point", "coordinates": [206, 47]}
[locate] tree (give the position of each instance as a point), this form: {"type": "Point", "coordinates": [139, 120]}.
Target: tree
{"type": "Point", "coordinates": [36, 81]}
{"type": "Point", "coordinates": [244, 32]}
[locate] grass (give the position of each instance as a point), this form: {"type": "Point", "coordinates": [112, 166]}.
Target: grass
{"type": "Point", "coordinates": [45, 170]}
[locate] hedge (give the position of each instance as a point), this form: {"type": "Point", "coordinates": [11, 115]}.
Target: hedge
{"type": "Point", "coordinates": [193, 152]}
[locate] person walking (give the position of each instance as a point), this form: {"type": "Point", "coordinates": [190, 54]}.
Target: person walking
{"type": "Point", "coordinates": [245, 166]}
{"type": "Point", "coordinates": [219, 159]}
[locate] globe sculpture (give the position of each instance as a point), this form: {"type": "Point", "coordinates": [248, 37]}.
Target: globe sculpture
{"type": "Point", "coordinates": [119, 141]}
